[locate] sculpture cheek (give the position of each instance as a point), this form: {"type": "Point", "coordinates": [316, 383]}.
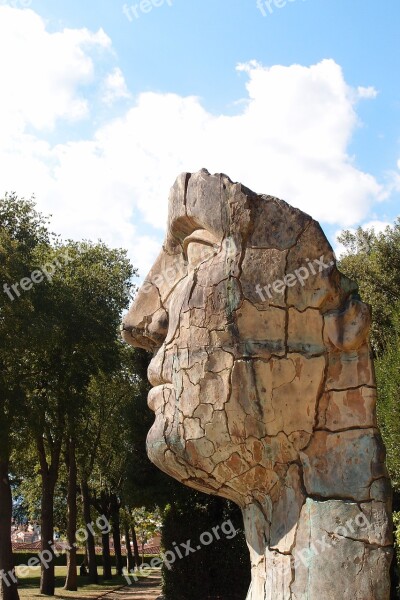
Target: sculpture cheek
{"type": "Point", "coordinates": [347, 330]}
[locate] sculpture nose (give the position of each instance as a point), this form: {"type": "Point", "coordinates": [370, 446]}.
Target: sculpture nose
{"type": "Point", "coordinates": [146, 324]}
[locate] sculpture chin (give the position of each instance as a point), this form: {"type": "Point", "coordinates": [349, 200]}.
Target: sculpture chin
{"type": "Point", "coordinates": [155, 443]}
{"type": "Point", "coordinates": [162, 449]}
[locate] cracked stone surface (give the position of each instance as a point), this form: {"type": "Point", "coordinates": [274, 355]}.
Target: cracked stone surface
{"type": "Point", "coordinates": [264, 389]}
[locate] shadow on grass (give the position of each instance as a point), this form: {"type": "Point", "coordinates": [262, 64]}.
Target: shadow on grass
{"type": "Point", "coordinates": [33, 582]}
{"type": "Point", "coordinates": [29, 586]}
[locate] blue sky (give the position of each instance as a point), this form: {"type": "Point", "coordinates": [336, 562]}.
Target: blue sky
{"type": "Point", "coordinates": [106, 107]}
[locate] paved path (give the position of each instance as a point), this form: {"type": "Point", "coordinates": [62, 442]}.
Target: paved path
{"type": "Point", "coordinates": [145, 589]}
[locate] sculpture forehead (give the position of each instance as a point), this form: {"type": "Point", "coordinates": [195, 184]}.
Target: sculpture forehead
{"type": "Point", "coordinates": [213, 202]}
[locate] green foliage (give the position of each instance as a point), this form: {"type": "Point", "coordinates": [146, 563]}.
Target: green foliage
{"type": "Point", "coordinates": [21, 558]}
{"type": "Point", "coordinates": [23, 232]}
{"type": "Point", "coordinates": [28, 489]}
{"type": "Point", "coordinates": [147, 523]}
{"type": "Point", "coordinates": [64, 372]}
{"type": "Point", "coordinates": [220, 570]}
{"type": "Point", "coordinates": [388, 381]}
{"type": "Point", "coordinates": [373, 261]}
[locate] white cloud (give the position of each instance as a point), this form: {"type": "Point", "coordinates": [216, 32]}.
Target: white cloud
{"type": "Point", "coordinates": [289, 138]}
{"type": "Point", "coordinates": [378, 226]}
{"type": "Point", "coordinates": [115, 87]}
{"type": "Point", "coordinates": [143, 252]}
{"type": "Point", "coordinates": [367, 92]}
{"type": "Point", "coordinates": [42, 72]}
{"type": "Point", "coordinates": [396, 178]}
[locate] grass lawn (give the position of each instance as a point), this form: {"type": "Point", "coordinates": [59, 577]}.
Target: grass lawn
{"type": "Point", "coordinates": [29, 586]}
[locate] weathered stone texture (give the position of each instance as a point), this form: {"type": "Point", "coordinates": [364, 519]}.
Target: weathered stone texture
{"type": "Point", "coordinates": [264, 389]}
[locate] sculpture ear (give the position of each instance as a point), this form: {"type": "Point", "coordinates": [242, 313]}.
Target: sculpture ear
{"type": "Point", "coordinates": [348, 329]}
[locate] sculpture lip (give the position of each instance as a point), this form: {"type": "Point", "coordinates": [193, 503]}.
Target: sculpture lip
{"type": "Point", "coordinates": [154, 401]}
{"type": "Point", "coordinates": [155, 380]}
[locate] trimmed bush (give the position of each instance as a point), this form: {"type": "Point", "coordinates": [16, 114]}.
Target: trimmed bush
{"type": "Point", "coordinates": [21, 558]}
{"type": "Point", "coordinates": [214, 569]}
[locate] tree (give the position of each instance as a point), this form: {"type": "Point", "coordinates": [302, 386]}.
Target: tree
{"type": "Point", "coordinates": [113, 459]}
{"type": "Point", "coordinates": [388, 379]}
{"type": "Point", "coordinates": [111, 396]}
{"type": "Point", "coordinates": [146, 524]}
{"type": "Point", "coordinates": [94, 294]}
{"type": "Point", "coordinates": [98, 282]}
{"type": "Point", "coordinates": [373, 260]}
{"type": "Point", "coordinates": [126, 524]}
{"type": "Point", "coordinates": [23, 231]}
{"type": "Point", "coordinates": [73, 322]}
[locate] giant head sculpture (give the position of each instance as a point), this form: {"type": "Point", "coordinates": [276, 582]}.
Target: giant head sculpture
{"type": "Point", "coordinates": [264, 390]}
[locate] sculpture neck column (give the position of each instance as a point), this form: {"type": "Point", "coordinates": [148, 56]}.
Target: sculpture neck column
{"type": "Point", "coordinates": [271, 571]}
{"type": "Point", "coordinates": [329, 533]}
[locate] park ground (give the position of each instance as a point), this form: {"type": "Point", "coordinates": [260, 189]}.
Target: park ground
{"type": "Point", "coordinates": [146, 588]}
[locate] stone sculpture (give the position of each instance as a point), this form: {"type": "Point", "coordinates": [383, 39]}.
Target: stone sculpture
{"type": "Point", "coordinates": [264, 389]}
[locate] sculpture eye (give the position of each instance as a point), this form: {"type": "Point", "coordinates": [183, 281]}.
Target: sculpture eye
{"type": "Point", "coordinates": [199, 247]}
{"type": "Point", "coordinates": [198, 252]}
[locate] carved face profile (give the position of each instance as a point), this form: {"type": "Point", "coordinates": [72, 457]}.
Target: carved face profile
{"type": "Point", "coordinates": [252, 328]}
{"type": "Point", "coordinates": [263, 386]}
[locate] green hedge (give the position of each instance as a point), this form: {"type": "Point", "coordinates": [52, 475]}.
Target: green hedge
{"type": "Point", "coordinates": [218, 571]}
{"type": "Point", "coordinates": [21, 558]}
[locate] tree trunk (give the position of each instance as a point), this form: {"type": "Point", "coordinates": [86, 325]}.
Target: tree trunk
{"type": "Point", "coordinates": [8, 585]}
{"type": "Point", "coordinates": [105, 540]}
{"type": "Point", "coordinates": [136, 548]}
{"type": "Point", "coordinates": [71, 582]}
{"type": "Point", "coordinates": [47, 579]}
{"type": "Point", "coordinates": [90, 543]}
{"type": "Point", "coordinates": [116, 531]}
{"type": "Point", "coordinates": [130, 563]}
{"type": "Point", "coordinates": [49, 474]}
